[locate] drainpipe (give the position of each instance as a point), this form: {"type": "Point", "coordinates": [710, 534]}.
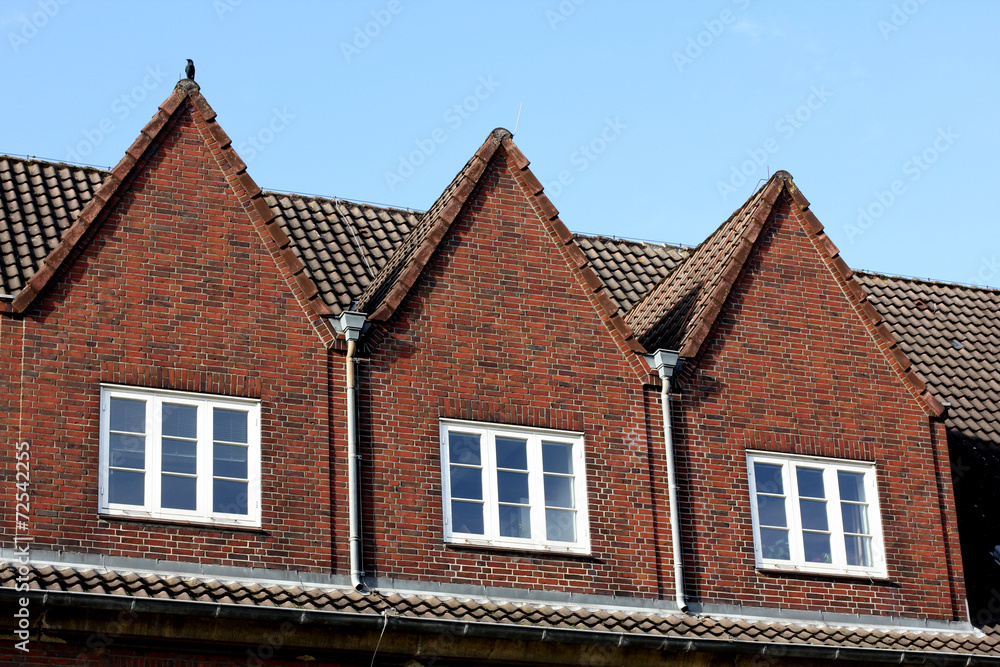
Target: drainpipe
{"type": "Point", "coordinates": [665, 362]}
{"type": "Point", "coordinates": [352, 324]}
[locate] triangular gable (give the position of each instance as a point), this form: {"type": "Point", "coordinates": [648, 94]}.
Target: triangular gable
{"type": "Point", "coordinates": [399, 275]}
{"type": "Point", "coordinates": [679, 313]}
{"type": "Point", "coordinates": [247, 192]}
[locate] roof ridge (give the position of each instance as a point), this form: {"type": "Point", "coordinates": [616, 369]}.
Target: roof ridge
{"type": "Point", "coordinates": [342, 200]}
{"type": "Point", "coordinates": [78, 166]}
{"type": "Point", "coordinates": [929, 281]}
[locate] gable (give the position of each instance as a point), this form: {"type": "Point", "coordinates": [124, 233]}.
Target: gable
{"type": "Point", "coordinates": [790, 367]}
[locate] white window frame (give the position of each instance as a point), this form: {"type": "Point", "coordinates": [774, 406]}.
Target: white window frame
{"type": "Point", "coordinates": [830, 467]}
{"type": "Point", "coordinates": [491, 537]}
{"type": "Point", "coordinates": [151, 509]}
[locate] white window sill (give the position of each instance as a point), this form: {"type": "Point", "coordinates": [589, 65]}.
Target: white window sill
{"type": "Point", "coordinates": [196, 522]}
{"type": "Point", "coordinates": [838, 573]}
{"type": "Point", "coordinates": [527, 548]}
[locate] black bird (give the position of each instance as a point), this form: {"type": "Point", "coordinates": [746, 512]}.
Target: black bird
{"type": "Point", "coordinates": [189, 70]}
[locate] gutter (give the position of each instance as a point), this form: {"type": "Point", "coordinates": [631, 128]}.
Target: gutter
{"type": "Point", "coordinates": [352, 324]}
{"type": "Point", "coordinates": [666, 362]}
{"type": "Point", "coordinates": [494, 631]}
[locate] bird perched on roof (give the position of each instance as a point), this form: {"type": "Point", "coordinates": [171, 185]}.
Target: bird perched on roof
{"type": "Point", "coordinates": [189, 70]}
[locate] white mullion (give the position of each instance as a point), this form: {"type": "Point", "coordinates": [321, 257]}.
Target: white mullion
{"type": "Point", "coordinates": [491, 498]}
{"type": "Point", "coordinates": [879, 559]}
{"type": "Point", "coordinates": [838, 550]}
{"type": "Point", "coordinates": [154, 441]}
{"type": "Point", "coordinates": [253, 464]}
{"type": "Point", "coordinates": [536, 489]}
{"type": "Point", "coordinates": [755, 519]}
{"type": "Point", "coordinates": [446, 479]}
{"type": "Point", "coordinates": [580, 493]}
{"type": "Point", "coordinates": [796, 548]}
{"type": "Point", "coordinates": [104, 455]}
{"type": "Point", "coordinates": [203, 458]}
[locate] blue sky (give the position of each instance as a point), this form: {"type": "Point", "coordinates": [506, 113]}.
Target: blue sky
{"type": "Point", "coordinates": [643, 120]}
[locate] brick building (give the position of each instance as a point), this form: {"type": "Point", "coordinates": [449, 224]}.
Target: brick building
{"type": "Point", "coordinates": [243, 426]}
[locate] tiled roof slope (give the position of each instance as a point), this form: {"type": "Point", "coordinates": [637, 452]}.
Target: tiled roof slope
{"type": "Point", "coordinates": [128, 585]}
{"type": "Point", "coordinates": [629, 269]}
{"type": "Point", "coordinates": [675, 315]}
{"type": "Point", "coordinates": [411, 255]}
{"type": "Point", "coordinates": [952, 334]}
{"type": "Point", "coordinates": [344, 245]}
{"type": "Point", "coordinates": [39, 201]}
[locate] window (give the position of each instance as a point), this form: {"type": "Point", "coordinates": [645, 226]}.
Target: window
{"type": "Point", "coordinates": [178, 455]}
{"type": "Point", "coordinates": [509, 486]}
{"type": "Point", "coordinates": [815, 514]}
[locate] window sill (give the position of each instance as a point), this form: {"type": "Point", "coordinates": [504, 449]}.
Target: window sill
{"type": "Point", "coordinates": [531, 552]}
{"type": "Point", "coordinates": [875, 577]}
{"type": "Point", "coordinates": [197, 525]}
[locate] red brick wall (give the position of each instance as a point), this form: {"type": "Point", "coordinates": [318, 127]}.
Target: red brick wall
{"type": "Point", "coordinates": [789, 368]}
{"type": "Point", "coordinates": [177, 290]}
{"type": "Point", "coordinates": [498, 329]}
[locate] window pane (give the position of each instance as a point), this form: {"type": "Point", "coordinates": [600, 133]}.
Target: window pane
{"type": "Point", "coordinates": [229, 497]}
{"type": "Point", "coordinates": [464, 448]}
{"type": "Point", "coordinates": [467, 517]}
{"type": "Point", "coordinates": [855, 518]}
{"type": "Point", "coordinates": [180, 456]}
{"type": "Point", "coordinates": [128, 451]}
{"type": "Point", "coordinates": [559, 491]}
{"type": "Point", "coordinates": [126, 487]}
{"type": "Point", "coordinates": [768, 478]}
{"type": "Point", "coordinates": [512, 453]}
{"type": "Point", "coordinates": [466, 482]}
{"type": "Point", "coordinates": [817, 547]}
{"type": "Point", "coordinates": [859, 550]}
{"type": "Point", "coordinates": [774, 543]}
{"type": "Point", "coordinates": [852, 485]}
{"type": "Point", "coordinates": [180, 421]}
{"type": "Point", "coordinates": [557, 457]}
{"type": "Point", "coordinates": [515, 521]}
{"type": "Point", "coordinates": [771, 511]}
{"type": "Point", "coordinates": [128, 415]}
{"type": "Point", "coordinates": [229, 425]}
{"type": "Point", "coordinates": [178, 493]}
{"type": "Point", "coordinates": [560, 525]}
{"type": "Point", "coordinates": [810, 482]}
{"type": "Point", "coordinates": [814, 514]}
{"type": "Point", "coordinates": [512, 487]}
{"type": "Point", "coordinates": [229, 461]}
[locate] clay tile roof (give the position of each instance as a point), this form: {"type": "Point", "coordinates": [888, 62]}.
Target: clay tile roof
{"type": "Point", "coordinates": [38, 202]}
{"type": "Point", "coordinates": [629, 269]}
{"type": "Point", "coordinates": [410, 256]}
{"type": "Point", "coordinates": [952, 335]}
{"type": "Point", "coordinates": [342, 244]}
{"type": "Point", "coordinates": [676, 313]}
{"type": "Point", "coordinates": [442, 607]}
